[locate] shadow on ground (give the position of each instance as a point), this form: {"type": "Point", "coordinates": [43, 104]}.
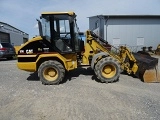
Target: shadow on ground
{"type": "Point", "coordinates": [5, 59]}
{"type": "Point", "coordinates": [69, 75]}
{"type": "Point", "coordinates": [33, 77]}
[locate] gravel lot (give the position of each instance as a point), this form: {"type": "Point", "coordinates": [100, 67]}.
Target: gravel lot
{"type": "Point", "coordinates": [80, 97]}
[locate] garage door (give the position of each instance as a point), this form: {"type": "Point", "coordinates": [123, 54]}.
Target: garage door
{"type": "Point", "coordinates": [4, 37]}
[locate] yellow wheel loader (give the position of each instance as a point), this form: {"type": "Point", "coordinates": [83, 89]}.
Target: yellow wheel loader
{"type": "Point", "coordinates": [59, 49]}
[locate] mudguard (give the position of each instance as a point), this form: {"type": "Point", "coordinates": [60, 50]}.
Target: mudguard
{"type": "Point", "coordinates": [96, 56]}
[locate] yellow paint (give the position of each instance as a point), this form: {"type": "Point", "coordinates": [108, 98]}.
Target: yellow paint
{"type": "Point", "coordinates": [50, 74]}
{"type": "Point", "coordinates": [27, 66]}
{"type": "Point", "coordinates": [109, 71]}
{"type": "Point", "coordinates": [58, 13]}
{"type": "Point", "coordinates": [25, 56]}
{"type": "Point", "coordinates": [69, 60]}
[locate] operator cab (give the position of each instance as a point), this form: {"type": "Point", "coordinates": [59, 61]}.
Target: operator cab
{"type": "Point", "coordinates": [61, 30]}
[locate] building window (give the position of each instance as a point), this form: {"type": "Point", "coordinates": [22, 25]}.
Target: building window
{"type": "Point", "coordinates": [140, 41]}
{"type": "Point", "coordinates": [116, 41]}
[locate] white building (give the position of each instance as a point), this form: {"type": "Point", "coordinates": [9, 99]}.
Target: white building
{"type": "Point", "coordinates": [135, 31]}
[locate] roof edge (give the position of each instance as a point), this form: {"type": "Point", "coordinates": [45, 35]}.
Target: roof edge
{"type": "Point", "coordinates": [123, 15]}
{"type": "Point", "coordinates": [14, 27]}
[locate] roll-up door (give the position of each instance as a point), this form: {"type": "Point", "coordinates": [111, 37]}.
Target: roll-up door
{"type": "Point", "coordinates": [4, 37]}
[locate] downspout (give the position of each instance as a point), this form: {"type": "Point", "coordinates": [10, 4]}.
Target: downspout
{"type": "Point", "coordinates": [103, 33]}
{"type": "Point", "coordinates": [100, 24]}
{"type": "Point", "coordinates": [105, 29]}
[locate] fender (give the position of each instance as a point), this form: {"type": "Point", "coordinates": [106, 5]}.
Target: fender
{"type": "Point", "coordinates": [96, 56]}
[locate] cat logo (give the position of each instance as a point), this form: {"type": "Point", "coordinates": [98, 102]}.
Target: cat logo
{"type": "Point", "coordinates": [29, 51]}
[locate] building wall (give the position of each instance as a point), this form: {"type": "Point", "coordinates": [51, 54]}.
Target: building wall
{"type": "Point", "coordinates": [133, 32]}
{"type": "Point", "coordinates": [94, 23]}
{"type": "Point", "coordinates": [16, 37]}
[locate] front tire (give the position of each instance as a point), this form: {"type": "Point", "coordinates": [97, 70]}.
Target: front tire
{"type": "Point", "coordinates": [51, 72]}
{"type": "Point", "coordinates": [107, 70]}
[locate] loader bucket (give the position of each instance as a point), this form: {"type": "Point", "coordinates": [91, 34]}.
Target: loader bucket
{"type": "Point", "coordinates": [147, 68]}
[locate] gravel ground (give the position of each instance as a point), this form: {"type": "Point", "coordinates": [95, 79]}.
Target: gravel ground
{"type": "Point", "coordinates": [80, 97]}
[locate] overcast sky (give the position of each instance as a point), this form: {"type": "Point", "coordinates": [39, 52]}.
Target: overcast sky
{"type": "Point", "coordinates": [22, 14]}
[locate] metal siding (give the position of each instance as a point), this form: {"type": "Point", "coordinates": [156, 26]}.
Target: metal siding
{"type": "Point", "coordinates": [16, 39]}
{"type": "Point", "coordinates": [16, 36]}
{"type": "Point", "coordinates": [129, 29]}
{"type": "Point", "coordinates": [4, 37]}
{"type": "Point", "coordinates": [102, 27]}
{"type": "Point", "coordinates": [92, 22]}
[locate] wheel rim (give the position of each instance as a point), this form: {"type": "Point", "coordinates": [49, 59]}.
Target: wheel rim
{"type": "Point", "coordinates": [109, 71]}
{"type": "Point", "coordinates": [50, 74]}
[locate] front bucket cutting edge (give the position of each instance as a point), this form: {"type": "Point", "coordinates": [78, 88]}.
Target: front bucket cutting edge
{"type": "Point", "coordinates": [147, 68]}
{"type": "Point", "coordinates": [152, 75]}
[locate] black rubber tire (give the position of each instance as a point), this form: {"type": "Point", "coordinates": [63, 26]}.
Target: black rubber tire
{"type": "Point", "coordinates": [51, 64]}
{"type": "Point", "coordinates": [101, 64]}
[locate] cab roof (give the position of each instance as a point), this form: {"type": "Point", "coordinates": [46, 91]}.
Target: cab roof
{"type": "Point", "coordinates": [57, 13]}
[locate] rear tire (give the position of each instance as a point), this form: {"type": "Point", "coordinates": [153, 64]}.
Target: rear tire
{"type": "Point", "coordinates": [107, 70]}
{"type": "Point", "coordinates": [51, 72]}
